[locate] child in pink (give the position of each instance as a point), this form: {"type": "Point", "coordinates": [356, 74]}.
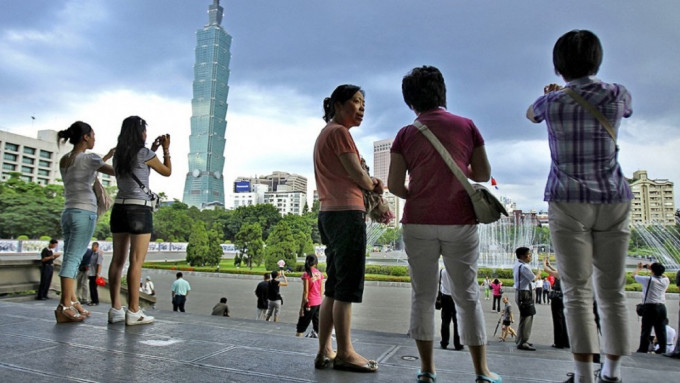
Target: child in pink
{"type": "Point", "coordinates": [312, 294]}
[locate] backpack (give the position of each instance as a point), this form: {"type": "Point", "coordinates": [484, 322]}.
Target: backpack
{"type": "Point", "coordinates": [85, 263]}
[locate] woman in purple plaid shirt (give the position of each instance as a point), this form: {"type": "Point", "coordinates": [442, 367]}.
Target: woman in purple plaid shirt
{"type": "Point", "coordinates": [589, 202]}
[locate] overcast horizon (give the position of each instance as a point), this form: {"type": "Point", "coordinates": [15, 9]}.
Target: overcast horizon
{"type": "Point", "coordinates": [101, 61]}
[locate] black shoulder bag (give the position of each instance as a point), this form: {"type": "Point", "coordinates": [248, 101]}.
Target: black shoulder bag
{"type": "Point", "coordinates": [640, 308]}
{"type": "Point", "coordinates": [526, 302]}
{"type": "Point", "coordinates": [438, 302]}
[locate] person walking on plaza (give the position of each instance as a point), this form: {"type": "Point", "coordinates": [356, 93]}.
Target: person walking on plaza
{"type": "Point", "coordinates": [508, 319]}
{"type": "Point", "coordinates": [539, 288]}
{"type": "Point", "coordinates": [82, 285]}
{"type": "Point", "coordinates": [78, 171]}
{"type": "Point", "coordinates": [524, 277]}
{"type": "Point", "coordinates": [448, 313]}
{"type": "Point", "coordinates": [180, 290]}
{"type": "Point", "coordinates": [47, 257]}
{"type": "Point", "coordinates": [221, 308]}
{"type": "Point", "coordinates": [654, 299]}
{"type": "Point", "coordinates": [342, 226]}
{"type": "Point", "coordinates": [274, 298]}
{"type": "Point", "coordinates": [132, 214]}
{"type": "Point", "coordinates": [93, 272]}
{"type": "Point", "coordinates": [312, 293]}
{"type": "Point", "coordinates": [546, 290]}
{"type": "Point", "coordinates": [560, 334]}
{"type": "Point", "coordinates": [676, 349]}
{"type": "Point", "coordinates": [262, 292]}
{"type": "Point", "coordinates": [588, 201]}
{"type": "Point", "coordinates": [486, 286]}
{"type": "Point", "coordinates": [439, 220]}
{"type": "Point", "coordinates": [497, 290]}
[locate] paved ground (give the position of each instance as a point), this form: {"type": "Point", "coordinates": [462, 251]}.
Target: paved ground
{"type": "Point", "coordinates": [198, 347]}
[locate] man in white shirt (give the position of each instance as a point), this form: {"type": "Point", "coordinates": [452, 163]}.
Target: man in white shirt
{"type": "Point", "coordinates": [654, 299]}
{"type": "Point", "coordinates": [524, 279]}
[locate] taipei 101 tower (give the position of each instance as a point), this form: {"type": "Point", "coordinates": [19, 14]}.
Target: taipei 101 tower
{"type": "Point", "coordinates": [204, 181]}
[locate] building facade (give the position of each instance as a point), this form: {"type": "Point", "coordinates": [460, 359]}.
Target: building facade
{"type": "Point", "coordinates": [277, 181]}
{"type": "Point", "coordinates": [653, 201]}
{"type": "Point", "coordinates": [287, 202]}
{"type": "Point", "coordinates": [37, 159]}
{"type": "Point", "coordinates": [381, 159]}
{"type": "Point", "coordinates": [204, 182]}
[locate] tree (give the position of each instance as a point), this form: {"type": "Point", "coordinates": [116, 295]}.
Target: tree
{"type": "Point", "coordinates": [30, 209]}
{"type": "Point", "coordinates": [204, 246]}
{"type": "Point", "coordinates": [301, 228]}
{"type": "Point", "coordinates": [250, 244]}
{"type": "Point", "coordinates": [390, 237]}
{"type": "Point", "coordinates": [281, 244]}
{"type": "Point", "coordinates": [264, 214]}
{"type": "Point", "coordinates": [173, 223]}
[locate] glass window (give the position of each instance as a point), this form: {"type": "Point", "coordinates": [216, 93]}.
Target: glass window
{"type": "Point", "coordinates": [45, 154]}
{"type": "Point", "coordinates": [42, 181]}
{"type": "Point", "coordinates": [26, 169]}
{"type": "Point", "coordinates": [27, 160]}
{"type": "Point", "coordinates": [10, 157]}
{"type": "Point", "coordinates": [26, 179]}
{"type": "Point", "coordinates": [9, 167]}
{"type": "Point", "coordinates": [43, 172]}
{"type": "Point", "coordinates": [12, 147]}
{"type": "Point", "coordinates": [43, 163]}
{"type": "Point", "coordinates": [29, 150]}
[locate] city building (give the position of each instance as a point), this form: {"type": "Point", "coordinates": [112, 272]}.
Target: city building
{"type": "Point", "coordinates": [37, 159]}
{"type": "Point", "coordinates": [246, 194]}
{"type": "Point", "coordinates": [652, 200]}
{"type": "Point", "coordinates": [381, 159]}
{"type": "Point", "coordinates": [287, 202]}
{"type": "Point", "coordinates": [204, 183]}
{"type": "Point", "coordinates": [277, 181]}
{"type": "Point", "coordinates": [287, 192]}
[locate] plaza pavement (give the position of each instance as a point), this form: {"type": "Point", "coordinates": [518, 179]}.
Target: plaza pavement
{"type": "Point", "coordinates": [197, 347]}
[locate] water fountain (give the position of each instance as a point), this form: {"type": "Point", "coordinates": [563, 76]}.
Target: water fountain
{"type": "Point", "coordinates": [662, 242]}
{"type": "Point", "coordinates": [498, 241]}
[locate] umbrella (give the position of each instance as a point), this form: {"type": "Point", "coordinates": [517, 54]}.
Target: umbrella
{"type": "Point", "coordinates": [497, 324]}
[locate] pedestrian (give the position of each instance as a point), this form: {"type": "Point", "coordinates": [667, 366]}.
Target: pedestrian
{"type": "Point", "coordinates": [439, 220]}
{"type": "Point", "coordinates": [148, 287]}
{"type": "Point", "coordinates": [676, 349]}
{"type": "Point", "coordinates": [497, 289]}
{"type": "Point", "coordinates": [508, 319]}
{"type": "Point", "coordinates": [78, 172]}
{"type": "Point", "coordinates": [131, 216]}
{"type": "Point", "coordinates": [47, 257]}
{"type": "Point", "coordinates": [312, 295]}
{"type": "Point", "coordinates": [342, 226]}
{"type": "Point", "coordinates": [588, 201]}
{"type": "Point", "coordinates": [180, 290]}
{"type": "Point", "coordinates": [274, 298]}
{"type": "Point", "coordinates": [93, 272]}
{"type": "Point", "coordinates": [560, 334]}
{"type": "Point", "coordinates": [546, 290]}
{"type": "Point", "coordinates": [539, 288]}
{"type": "Point", "coordinates": [524, 278]}
{"type": "Point", "coordinates": [221, 308]}
{"type": "Point", "coordinates": [654, 300]}
{"type": "Point", "coordinates": [82, 285]}
{"type": "Point", "coordinates": [486, 286]}
{"type": "Point", "coordinates": [448, 314]}
{"type": "Point", "coordinates": [262, 292]}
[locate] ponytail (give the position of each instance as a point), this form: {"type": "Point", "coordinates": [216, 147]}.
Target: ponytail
{"type": "Point", "coordinates": [310, 261]}
{"type": "Point", "coordinates": [341, 94]}
{"type": "Point", "coordinates": [74, 134]}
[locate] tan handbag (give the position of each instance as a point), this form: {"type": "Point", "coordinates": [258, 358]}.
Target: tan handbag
{"type": "Point", "coordinates": [487, 208]}
{"type": "Point", "coordinates": [104, 201]}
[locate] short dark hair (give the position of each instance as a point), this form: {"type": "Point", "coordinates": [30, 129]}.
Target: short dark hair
{"type": "Point", "coordinates": [341, 94]}
{"type": "Point", "coordinates": [53, 241]}
{"type": "Point", "coordinates": [266, 276]}
{"type": "Point", "coordinates": [521, 251]}
{"type": "Point", "coordinates": [577, 54]}
{"type": "Point", "coordinates": [275, 274]}
{"type": "Point", "coordinates": [223, 300]}
{"type": "Point", "coordinates": [424, 89]}
{"type": "Point", "coordinates": [95, 244]}
{"type": "Point", "coordinates": [657, 269]}
{"type": "Point", "coordinates": [179, 275]}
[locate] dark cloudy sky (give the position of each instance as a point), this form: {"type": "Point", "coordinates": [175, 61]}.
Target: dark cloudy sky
{"type": "Point", "coordinates": [101, 61]}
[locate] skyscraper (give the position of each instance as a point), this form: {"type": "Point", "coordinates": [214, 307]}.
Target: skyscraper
{"type": "Point", "coordinates": [381, 159]}
{"type": "Point", "coordinates": [204, 182]}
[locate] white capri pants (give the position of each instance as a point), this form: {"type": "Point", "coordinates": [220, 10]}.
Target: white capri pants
{"type": "Point", "coordinates": [591, 243]}
{"type": "Point", "coordinates": [459, 247]}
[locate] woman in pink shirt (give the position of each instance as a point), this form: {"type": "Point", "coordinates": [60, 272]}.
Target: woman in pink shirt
{"type": "Point", "coordinates": [497, 289]}
{"type": "Point", "coordinates": [312, 292]}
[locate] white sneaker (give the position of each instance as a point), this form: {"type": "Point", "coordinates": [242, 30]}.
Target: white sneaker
{"type": "Point", "coordinates": [135, 318]}
{"type": "Point", "coordinates": [116, 316]}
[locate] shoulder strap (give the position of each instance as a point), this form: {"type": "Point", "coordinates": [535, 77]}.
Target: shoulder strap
{"type": "Point", "coordinates": [594, 111]}
{"type": "Point", "coordinates": [644, 300]}
{"type": "Point", "coordinates": [141, 185]}
{"type": "Point", "coordinates": [440, 281]}
{"type": "Point", "coordinates": [446, 156]}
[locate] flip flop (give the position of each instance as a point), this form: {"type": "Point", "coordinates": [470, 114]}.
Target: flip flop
{"type": "Point", "coordinates": [322, 361]}
{"type": "Point", "coordinates": [370, 366]}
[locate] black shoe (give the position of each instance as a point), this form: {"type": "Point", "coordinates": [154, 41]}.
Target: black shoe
{"type": "Point", "coordinates": [526, 347]}
{"type": "Point", "coordinates": [444, 346]}
{"type": "Point", "coordinates": [460, 347]}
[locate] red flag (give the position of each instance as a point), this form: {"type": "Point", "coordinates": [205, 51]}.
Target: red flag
{"type": "Point", "coordinates": [494, 183]}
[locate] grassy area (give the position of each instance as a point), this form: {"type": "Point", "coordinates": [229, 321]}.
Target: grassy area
{"type": "Point", "coordinates": [373, 272]}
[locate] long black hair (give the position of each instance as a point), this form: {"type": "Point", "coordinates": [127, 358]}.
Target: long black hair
{"type": "Point", "coordinates": [130, 140]}
{"type": "Point", "coordinates": [341, 94]}
{"type": "Point", "coordinates": [74, 134]}
{"type": "Point", "coordinates": [310, 261]}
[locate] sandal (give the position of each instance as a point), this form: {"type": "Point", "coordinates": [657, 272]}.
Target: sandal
{"type": "Point", "coordinates": [322, 361]}
{"type": "Point", "coordinates": [80, 308]}
{"type": "Point", "coordinates": [484, 378]}
{"type": "Point", "coordinates": [370, 366]}
{"type": "Point", "coordinates": [67, 314]}
{"type": "Point", "coordinates": [432, 377]}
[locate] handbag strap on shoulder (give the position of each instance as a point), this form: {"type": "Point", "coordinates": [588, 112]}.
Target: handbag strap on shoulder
{"type": "Point", "coordinates": [644, 300]}
{"type": "Point", "coordinates": [446, 156]}
{"type": "Point", "coordinates": [594, 111]}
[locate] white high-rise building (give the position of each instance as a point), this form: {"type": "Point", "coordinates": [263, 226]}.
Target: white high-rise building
{"type": "Point", "coordinates": [381, 159]}
{"type": "Point", "coordinates": [652, 200]}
